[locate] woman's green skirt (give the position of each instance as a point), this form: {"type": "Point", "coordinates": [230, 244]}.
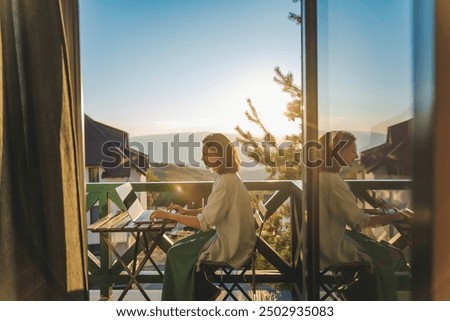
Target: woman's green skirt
{"type": "Point", "coordinates": [179, 274]}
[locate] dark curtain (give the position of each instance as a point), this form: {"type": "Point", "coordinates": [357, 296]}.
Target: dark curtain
{"type": "Point", "coordinates": [42, 219]}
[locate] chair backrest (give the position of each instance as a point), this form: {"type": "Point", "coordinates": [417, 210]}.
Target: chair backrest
{"type": "Point", "coordinates": [260, 217]}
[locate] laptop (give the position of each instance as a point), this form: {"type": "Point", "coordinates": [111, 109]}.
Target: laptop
{"type": "Point", "coordinates": [134, 208]}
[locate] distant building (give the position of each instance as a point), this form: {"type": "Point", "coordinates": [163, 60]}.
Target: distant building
{"type": "Point", "coordinates": [109, 158]}
{"type": "Point", "coordinates": [393, 159]}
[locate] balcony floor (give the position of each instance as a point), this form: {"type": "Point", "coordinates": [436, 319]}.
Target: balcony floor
{"type": "Point", "coordinates": [154, 292]}
{"type": "Point", "coordinates": [263, 295]}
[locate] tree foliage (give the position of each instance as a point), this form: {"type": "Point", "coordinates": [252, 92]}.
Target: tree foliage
{"type": "Point", "coordinates": [281, 161]}
{"type": "Point", "coordinates": [295, 17]}
{"type": "Point", "coordinates": [151, 196]}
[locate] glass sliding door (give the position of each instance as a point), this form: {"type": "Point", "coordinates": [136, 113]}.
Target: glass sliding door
{"type": "Point", "coordinates": [362, 55]}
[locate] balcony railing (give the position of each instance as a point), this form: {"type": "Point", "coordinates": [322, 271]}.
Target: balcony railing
{"type": "Point", "coordinates": [103, 274]}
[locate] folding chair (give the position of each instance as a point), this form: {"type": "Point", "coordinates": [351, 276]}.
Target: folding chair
{"type": "Point", "coordinates": [228, 275]}
{"type": "Point", "coordinates": [338, 277]}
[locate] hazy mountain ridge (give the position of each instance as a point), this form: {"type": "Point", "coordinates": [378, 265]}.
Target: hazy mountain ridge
{"type": "Point", "coordinates": [163, 150]}
{"type": "Point", "coordinates": [173, 172]}
{"type": "Point", "coordinates": [164, 155]}
{"type": "Point", "coordinates": [162, 146]}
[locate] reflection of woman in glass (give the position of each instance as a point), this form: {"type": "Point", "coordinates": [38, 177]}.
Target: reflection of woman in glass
{"type": "Point", "coordinates": [226, 222]}
{"type": "Point", "coordinates": [338, 210]}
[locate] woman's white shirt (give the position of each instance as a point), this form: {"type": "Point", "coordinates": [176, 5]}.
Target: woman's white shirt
{"type": "Point", "coordinates": [338, 209]}
{"type": "Point", "coordinates": [229, 211]}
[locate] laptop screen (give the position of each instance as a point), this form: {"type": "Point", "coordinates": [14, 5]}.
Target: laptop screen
{"type": "Point", "coordinates": [130, 200]}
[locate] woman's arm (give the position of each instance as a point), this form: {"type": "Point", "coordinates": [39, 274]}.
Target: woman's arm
{"type": "Point", "coordinates": [183, 211]}
{"type": "Point", "coordinates": [192, 211]}
{"type": "Point", "coordinates": [386, 219]}
{"type": "Point", "coordinates": [188, 220]}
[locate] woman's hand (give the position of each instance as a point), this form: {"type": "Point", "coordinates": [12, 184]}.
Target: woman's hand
{"type": "Point", "coordinates": [390, 216]}
{"type": "Point", "coordinates": [160, 214]}
{"type": "Point", "coordinates": [177, 208]}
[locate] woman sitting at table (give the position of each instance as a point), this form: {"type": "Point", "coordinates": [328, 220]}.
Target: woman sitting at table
{"type": "Point", "coordinates": [338, 210]}
{"type": "Point", "coordinates": [227, 232]}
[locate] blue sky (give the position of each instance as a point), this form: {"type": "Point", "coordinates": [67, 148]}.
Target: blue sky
{"type": "Point", "coordinates": [153, 67]}
{"type": "Point", "coordinates": [165, 66]}
{"type": "Point", "coordinates": [365, 63]}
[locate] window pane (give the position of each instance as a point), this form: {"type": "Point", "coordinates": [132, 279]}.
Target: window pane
{"type": "Point", "coordinates": [365, 84]}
